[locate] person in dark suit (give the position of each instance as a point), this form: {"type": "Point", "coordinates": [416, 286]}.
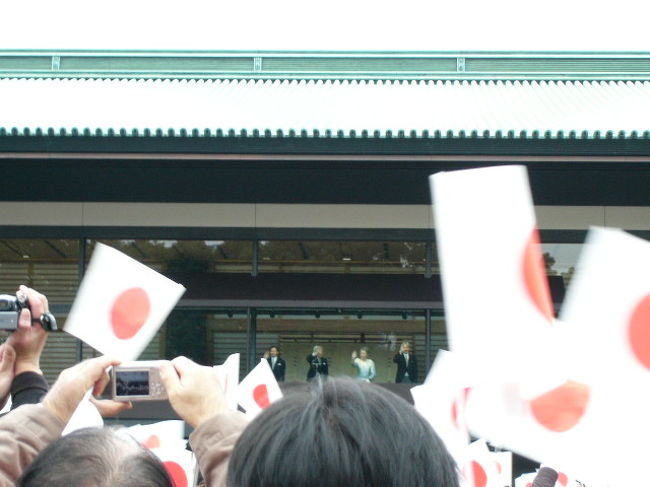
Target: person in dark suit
{"type": "Point", "coordinates": [318, 366]}
{"type": "Point", "coordinates": [407, 364]}
{"type": "Point", "coordinates": [278, 365]}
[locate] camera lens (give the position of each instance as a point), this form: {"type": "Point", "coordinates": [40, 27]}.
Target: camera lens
{"type": "Point", "coordinates": [5, 305]}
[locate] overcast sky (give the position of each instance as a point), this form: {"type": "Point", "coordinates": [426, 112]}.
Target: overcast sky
{"type": "Point", "coordinates": [340, 25]}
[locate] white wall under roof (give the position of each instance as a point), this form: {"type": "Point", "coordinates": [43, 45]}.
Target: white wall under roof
{"type": "Point", "coordinates": [412, 25]}
{"type": "Point", "coordinates": [291, 216]}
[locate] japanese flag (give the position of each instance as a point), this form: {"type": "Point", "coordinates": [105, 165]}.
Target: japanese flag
{"type": "Point", "coordinates": [503, 461]}
{"type": "Point", "coordinates": [179, 463]}
{"type": "Point", "coordinates": [163, 434]}
{"type": "Point", "coordinates": [480, 467]}
{"type": "Point", "coordinates": [120, 305]}
{"type": "Point", "coordinates": [228, 375]}
{"type": "Point", "coordinates": [564, 426]}
{"type": "Point", "coordinates": [608, 308]}
{"type": "Point", "coordinates": [495, 287]}
{"type": "Point", "coordinates": [441, 401]}
{"type": "Point", "coordinates": [525, 480]}
{"type": "Point", "coordinates": [258, 390]}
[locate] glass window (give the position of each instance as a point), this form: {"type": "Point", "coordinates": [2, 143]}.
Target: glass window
{"type": "Point", "coordinates": [342, 256]}
{"type": "Point", "coordinates": [47, 265]}
{"type": "Point", "coordinates": [187, 255]}
{"type": "Point", "coordinates": [561, 259]}
{"type": "Point", "coordinates": [340, 332]}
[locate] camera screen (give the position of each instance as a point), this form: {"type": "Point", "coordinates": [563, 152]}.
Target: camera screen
{"type": "Point", "coordinates": [132, 383]}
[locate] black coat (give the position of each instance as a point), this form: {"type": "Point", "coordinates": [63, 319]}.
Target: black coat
{"type": "Point", "coordinates": [279, 369]}
{"type": "Point", "coordinates": [317, 366]}
{"type": "Point", "coordinates": [412, 368]}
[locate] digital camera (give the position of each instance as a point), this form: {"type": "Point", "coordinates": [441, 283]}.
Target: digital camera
{"type": "Point", "coordinates": [10, 307]}
{"type": "Point", "coordinates": [138, 381]}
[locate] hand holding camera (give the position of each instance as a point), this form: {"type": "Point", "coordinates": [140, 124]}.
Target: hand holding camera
{"type": "Point", "coordinates": [28, 340]}
{"type": "Point", "coordinates": [194, 390]}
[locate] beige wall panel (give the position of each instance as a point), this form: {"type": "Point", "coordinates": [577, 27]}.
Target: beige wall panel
{"type": "Point", "coordinates": [344, 216]}
{"type": "Point", "coordinates": [569, 217]}
{"type": "Point", "coordinates": [169, 214]}
{"type": "Point", "coordinates": [628, 218]}
{"type": "Point", "coordinates": [36, 213]}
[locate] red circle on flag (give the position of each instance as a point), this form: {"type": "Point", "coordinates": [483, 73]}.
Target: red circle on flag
{"type": "Point", "coordinates": [454, 413]}
{"type": "Point", "coordinates": [562, 479]}
{"type": "Point", "coordinates": [535, 279]}
{"type": "Point", "coordinates": [152, 442]}
{"type": "Point", "coordinates": [176, 473]}
{"type": "Point", "coordinates": [261, 396]}
{"type": "Point", "coordinates": [639, 331]}
{"type": "Point", "coordinates": [129, 312]}
{"type": "Point", "coordinates": [480, 477]}
{"type": "Point", "coordinates": [562, 408]}
{"type": "Point", "coordinates": [459, 403]}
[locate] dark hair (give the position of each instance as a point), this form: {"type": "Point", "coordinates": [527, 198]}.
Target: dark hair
{"type": "Point", "coordinates": [97, 457]}
{"type": "Point", "coordinates": [276, 347]}
{"type": "Point", "coordinates": [341, 432]}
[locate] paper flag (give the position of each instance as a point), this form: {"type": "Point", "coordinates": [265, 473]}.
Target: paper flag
{"type": "Point", "coordinates": [495, 287]}
{"type": "Point", "coordinates": [179, 463]}
{"type": "Point", "coordinates": [480, 467]}
{"type": "Point", "coordinates": [258, 390]}
{"type": "Point", "coordinates": [228, 375]}
{"type": "Point", "coordinates": [120, 305]}
{"type": "Point", "coordinates": [525, 480]}
{"type": "Point", "coordinates": [564, 427]}
{"type": "Point", "coordinates": [163, 434]}
{"type": "Point", "coordinates": [608, 308]}
{"type": "Point", "coordinates": [503, 461]}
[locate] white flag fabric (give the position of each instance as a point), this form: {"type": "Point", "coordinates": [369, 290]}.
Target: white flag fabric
{"type": "Point", "coordinates": [525, 480]}
{"type": "Point", "coordinates": [503, 461]}
{"type": "Point", "coordinates": [163, 434]}
{"type": "Point", "coordinates": [258, 390]}
{"type": "Point", "coordinates": [228, 375]}
{"type": "Point", "coordinates": [180, 465]}
{"type": "Point", "coordinates": [480, 467]}
{"type": "Point", "coordinates": [495, 287]}
{"type": "Point", "coordinates": [608, 308]}
{"type": "Point", "coordinates": [121, 304]}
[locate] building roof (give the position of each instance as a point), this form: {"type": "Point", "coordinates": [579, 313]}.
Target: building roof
{"type": "Point", "coordinates": [325, 108]}
{"type": "Point", "coordinates": [326, 65]}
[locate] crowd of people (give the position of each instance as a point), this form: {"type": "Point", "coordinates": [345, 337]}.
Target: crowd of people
{"type": "Point", "coordinates": [335, 432]}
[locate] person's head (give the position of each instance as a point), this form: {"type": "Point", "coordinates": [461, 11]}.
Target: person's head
{"type": "Point", "coordinates": [363, 353]}
{"type": "Point", "coordinates": [317, 350]}
{"type": "Point", "coordinates": [405, 347]}
{"type": "Point", "coordinates": [340, 432]}
{"type": "Point", "coordinates": [95, 457]}
{"type": "Point", "coordinates": [274, 351]}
